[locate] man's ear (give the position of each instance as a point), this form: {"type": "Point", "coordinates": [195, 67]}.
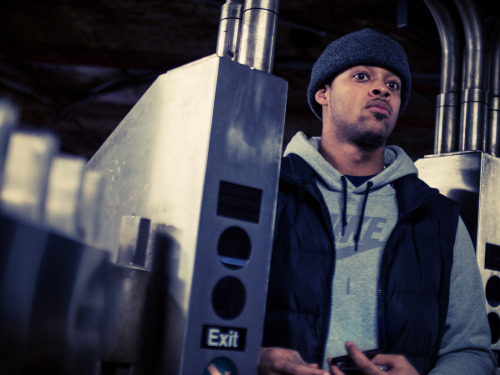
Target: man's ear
{"type": "Point", "coordinates": [321, 95]}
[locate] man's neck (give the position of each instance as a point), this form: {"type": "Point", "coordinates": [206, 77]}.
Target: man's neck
{"type": "Point", "coordinates": [351, 160]}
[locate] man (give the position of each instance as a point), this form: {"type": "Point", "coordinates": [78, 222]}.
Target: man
{"type": "Point", "coordinates": [367, 256]}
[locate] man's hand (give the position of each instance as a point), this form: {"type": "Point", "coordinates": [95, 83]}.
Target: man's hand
{"type": "Point", "coordinates": [279, 361]}
{"type": "Point", "coordinates": [396, 364]}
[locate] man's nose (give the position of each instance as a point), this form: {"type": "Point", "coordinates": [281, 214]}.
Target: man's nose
{"type": "Point", "coordinates": [383, 92]}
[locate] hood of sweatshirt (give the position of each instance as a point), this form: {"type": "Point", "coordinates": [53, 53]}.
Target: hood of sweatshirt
{"type": "Point", "coordinates": [397, 164]}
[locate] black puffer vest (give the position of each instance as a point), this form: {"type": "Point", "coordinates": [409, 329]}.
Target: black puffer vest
{"type": "Point", "coordinates": [414, 278]}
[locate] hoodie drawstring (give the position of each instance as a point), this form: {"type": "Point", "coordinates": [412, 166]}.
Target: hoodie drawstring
{"type": "Point", "coordinates": [362, 216]}
{"type": "Point", "coordinates": [344, 209]}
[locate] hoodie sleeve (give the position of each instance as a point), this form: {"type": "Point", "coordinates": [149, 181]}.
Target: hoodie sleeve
{"type": "Point", "coordinates": [466, 343]}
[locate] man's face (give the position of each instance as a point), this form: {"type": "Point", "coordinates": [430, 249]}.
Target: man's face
{"type": "Point", "coordinates": [362, 105]}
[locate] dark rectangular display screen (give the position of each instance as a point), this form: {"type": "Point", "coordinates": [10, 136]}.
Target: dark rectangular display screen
{"type": "Point", "coordinates": [239, 202]}
{"type": "Point", "coordinates": [492, 257]}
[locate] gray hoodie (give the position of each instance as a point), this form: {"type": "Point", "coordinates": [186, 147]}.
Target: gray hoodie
{"type": "Point", "coordinates": [372, 214]}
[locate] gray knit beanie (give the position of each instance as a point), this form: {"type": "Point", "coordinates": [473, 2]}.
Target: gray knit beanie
{"type": "Point", "coordinates": [365, 47]}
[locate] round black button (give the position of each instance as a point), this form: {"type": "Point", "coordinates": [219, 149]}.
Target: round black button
{"type": "Point", "coordinates": [228, 297]}
{"type": "Point", "coordinates": [234, 248]}
{"type": "Point", "coordinates": [492, 291]}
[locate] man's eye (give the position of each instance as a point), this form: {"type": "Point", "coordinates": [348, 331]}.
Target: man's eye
{"type": "Point", "coordinates": [393, 85]}
{"type": "Point", "coordinates": [361, 76]}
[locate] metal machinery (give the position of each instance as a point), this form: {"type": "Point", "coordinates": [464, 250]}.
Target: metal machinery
{"type": "Point", "coordinates": [195, 163]}
{"type": "Point", "coordinates": [53, 288]}
{"type": "Point", "coordinates": [465, 165]}
{"type": "Point", "coordinates": [182, 197]}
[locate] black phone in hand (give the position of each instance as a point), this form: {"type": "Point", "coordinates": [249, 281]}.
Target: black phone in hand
{"type": "Point", "coordinates": [347, 365]}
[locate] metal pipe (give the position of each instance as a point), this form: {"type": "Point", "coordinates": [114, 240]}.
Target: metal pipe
{"type": "Point", "coordinates": [258, 34]}
{"type": "Point", "coordinates": [447, 105]}
{"type": "Point", "coordinates": [473, 117]}
{"type": "Point", "coordinates": [494, 110]}
{"type": "Point", "coordinates": [229, 29]}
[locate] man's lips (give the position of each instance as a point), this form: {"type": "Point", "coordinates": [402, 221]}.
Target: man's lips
{"type": "Point", "coordinates": [379, 106]}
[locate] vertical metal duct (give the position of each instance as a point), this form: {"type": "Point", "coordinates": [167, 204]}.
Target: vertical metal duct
{"type": "Point", "coordinates": [258, 34]}
{"type": "Point", "coordinates": [447, 106]}
{"type": "Point", "coordinates": [229, 29]}
{"type": "Point", "coordinates": [494, 111]}
{"type": "Point", "coordinates": [474, 96]}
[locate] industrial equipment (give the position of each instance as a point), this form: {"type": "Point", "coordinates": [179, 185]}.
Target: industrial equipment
{"type": "Point", "coordinates": [54, 293]}
{"type": "Point", "coordinates": [199, 157]}
{"type": "Point", "coordinates": [465, 166]}
{"type": "Point", "coordinates": [153, 257]}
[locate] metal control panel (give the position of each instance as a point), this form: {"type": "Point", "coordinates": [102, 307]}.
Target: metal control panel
{"type": "Point", "coordinates": [471, 179]}
{"type": "Point", "coordinates": [199, 156]}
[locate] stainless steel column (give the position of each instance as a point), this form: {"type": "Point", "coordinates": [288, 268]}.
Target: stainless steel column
{"type": "Point", "coordinates": [258, 34]}
{"type": "Point", "coordinates": [475, 95]}
{"type": "Point", "coordinates": [448, 109]}
{"type": "Point", "coordinates": [494, 110]}
{"type": "Point", "coordinates": [228, 39]}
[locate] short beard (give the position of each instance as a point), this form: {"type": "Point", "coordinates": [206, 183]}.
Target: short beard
{"type": "Point", "coordinates": [368, 141]}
